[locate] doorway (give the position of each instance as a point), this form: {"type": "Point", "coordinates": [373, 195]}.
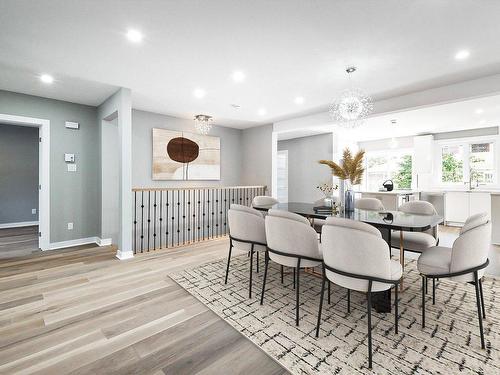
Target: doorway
{"type": "Point", "coordinates": [18, 210]}
{"type": "Point", "coordinates": [282, 174]}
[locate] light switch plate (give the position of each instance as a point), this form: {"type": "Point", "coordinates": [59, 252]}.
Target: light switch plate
{"type": "Point", "coordinates": [33, 211]}
{"type": "Point", "coordinates": [70, 226]}
{"type": "Point", "coordinates": [69, 158]}
{"type": "Point", "coordinates": [71, 167]}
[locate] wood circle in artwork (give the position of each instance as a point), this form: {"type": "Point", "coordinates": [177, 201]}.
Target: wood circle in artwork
{"type": "Point", "coordinates": [182, 150]}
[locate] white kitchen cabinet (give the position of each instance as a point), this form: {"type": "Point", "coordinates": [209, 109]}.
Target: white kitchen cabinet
{"type": "Point", "coordinates": [456, 207]}
{"type": "Point", "coordinates": [460, 205]}
{"type": "Point", "coordinates": [479, 202]}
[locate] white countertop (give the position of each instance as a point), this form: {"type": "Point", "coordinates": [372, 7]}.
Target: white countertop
{"type": "Point", "coordinates": [393, 192]}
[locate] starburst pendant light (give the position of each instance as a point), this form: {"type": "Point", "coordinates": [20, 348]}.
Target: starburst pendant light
{"type": "Point", "coordinates": [352, 106]}
{"type": "Point", "coordinates": [202, 123]}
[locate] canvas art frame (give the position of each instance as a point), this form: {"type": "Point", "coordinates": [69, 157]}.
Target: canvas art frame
{"type": "Point", "coordinates": [185, 156]}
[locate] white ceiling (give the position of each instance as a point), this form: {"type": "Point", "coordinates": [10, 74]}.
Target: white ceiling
{"type": "Point", "coordinates": [463, 115]}
{"type": "Point", "coordinates": [286, 48]}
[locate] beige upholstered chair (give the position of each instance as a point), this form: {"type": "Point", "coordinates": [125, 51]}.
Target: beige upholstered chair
{"type": "Point", "coordinates": [464, 262]}
{"type": "Point", "coordinates": [355, 257]}
{"type": "Point", "coordinates": [246, 232]}
{"type": "Point", "coordinates": [264, 200]}
{"type": "Point", "coordinates": [372, 204]}
{"type": "Point", "coordinates": [291, 242]}
{"type": "Point", "coordinates": [416, 242]}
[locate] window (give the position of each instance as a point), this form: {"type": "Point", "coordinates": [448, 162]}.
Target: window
{"type": "Point", "coordinates": [383, 165]}
{"type": "Point", "coordinates": [468, 161]}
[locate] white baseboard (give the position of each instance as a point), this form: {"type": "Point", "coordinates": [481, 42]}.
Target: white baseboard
{"type": "Point", "coordinates": [122, 255]}
{"type": "Point", "coordinates": [19, 224]}
{"type": "Point", "coordinates": [80, 241]}
{"type": "Point", "coordinates": [103, 241]}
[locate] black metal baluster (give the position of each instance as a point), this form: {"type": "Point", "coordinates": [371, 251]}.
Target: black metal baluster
{"type": "Point", "coordinates": [198, 217]}
{"type": "Point", "coordinates": [167, 231]}
{"type": "Point", "coordinates": [142, 221]}
{"type": "Point", "coordinates": [154, 220]}
{"type": "Point", "coordinates": [216, 213]}
{"type": "Point", "coordinates": [161, 210]}
{"type": "Point", "coordinates": [172, 228]}
{"type": "Point", "coordinates": [212, 216]}
{"type": "Point", "coordinates": [178, 217]}
{"type": "Point", "coordinates": [149, 214]}
{"type": "Point", "coordinates": [225, 211]}
{"type": "Point", "coordinates": [183, 217]}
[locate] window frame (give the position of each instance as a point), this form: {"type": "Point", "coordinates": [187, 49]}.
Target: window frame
{"type": "Point", "coordinates": [401, 150]}
{"type": "Point", "coordinates": [466, 143]}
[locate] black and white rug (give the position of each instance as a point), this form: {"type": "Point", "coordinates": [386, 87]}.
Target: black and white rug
{"type": "Point", "coordinates": [450, 343]}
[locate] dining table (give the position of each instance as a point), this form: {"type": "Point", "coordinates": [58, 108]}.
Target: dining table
{"type": "Point", "coordinates": [385, 221]}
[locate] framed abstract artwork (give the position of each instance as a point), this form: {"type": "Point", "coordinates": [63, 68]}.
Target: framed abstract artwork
{"type": "Point", "coordinates": [185, 156]}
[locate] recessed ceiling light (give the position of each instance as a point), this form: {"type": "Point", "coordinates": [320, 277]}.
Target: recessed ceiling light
{"type": "Point", "coordinates": [462, 55]}
{"type": "Point", "coordinates": [479, 111]}
{"type": "Point", "coordinates": [199, 93]}
{"type": "Point", "coordinates": [134, 35]}
{"type": "Point", "coordinates": [262, 112]}
{"type": "Point", "coordinates": [235, 106]}
{"type": "Point", "coordinates": [238, 76]}
{"type": "Point", "coordinates": [299, 100]}
{"type": "Point", "coordinates": [46, 78]}
{"type": "Point", "coordinates": [394, 121]}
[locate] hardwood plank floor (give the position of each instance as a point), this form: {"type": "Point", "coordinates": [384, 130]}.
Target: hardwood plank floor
{"type": "Point", "coordinates": [15, 242]}
{"type": "Point", "coordinates": [82, 311]}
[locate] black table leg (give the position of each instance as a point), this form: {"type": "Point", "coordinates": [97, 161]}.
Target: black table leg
{"type": "Point", "coordinates": [381, 301]}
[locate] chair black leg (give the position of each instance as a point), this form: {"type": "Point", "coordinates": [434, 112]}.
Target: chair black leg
{"type": "Point", "coordinates": [228, 259]}
{"type": "Point", "coordinates": [257, 262]}
{"type": "Point", "coordinates": [423, 301]}
{"type": "Point", "coordinates": [396, 313]}
{"type": "Point", "coordinates": [297, 295]}
{"type": "Point", "coordinates": [479, 314]}
{"type": "Point", "coordinates": [349, 301]}
{"type": "Point", "coordinates": [266, 263]}
{"type": "Point", "coordinates": [426, 285]}
{"type": "Point", "coordinates": [294, 278]}
{"type": "Point", "coordinates": [369, 324]}
{"type": "Point", "coordinates": [433, 291]}
{"type": "Point", "coordinates": [321, 302]}
{"type": "Point", "coordinates": [282, 274]}
{"type": "Point", "coordinates": [251, 274]}
{"type": "Point", "coordinates": [329, 292]}
{"type": "Point", "coordinates": [482, 297]}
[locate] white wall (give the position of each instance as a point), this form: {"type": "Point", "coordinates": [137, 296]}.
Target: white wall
{"type": "Point", "coordinates": [256, 150]}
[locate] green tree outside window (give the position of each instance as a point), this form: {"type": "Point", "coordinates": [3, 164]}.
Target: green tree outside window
{"type": "Point", "coordinates": [452, 169]}
{"type": "Point", "coordinates": [402, 178]}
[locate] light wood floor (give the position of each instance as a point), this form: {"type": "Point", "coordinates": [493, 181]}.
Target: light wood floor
{"type": "Point", "coordinates": [15, 242]}
{"type": "Point", "coordinates": [85, 312]}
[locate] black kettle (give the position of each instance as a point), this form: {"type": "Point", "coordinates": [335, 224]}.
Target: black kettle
{"type": "Point", "coordinates": [388, 185]}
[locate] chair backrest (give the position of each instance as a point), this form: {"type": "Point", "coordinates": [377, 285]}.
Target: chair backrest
{"type": "Point", "coordinates": [372, 204]}
{"type": "Point", "coordinates": [247, 224]}
{"type": "Point", "coordinates": [264, 200]}
{"type": "Point", "coordinates": [421, 208]}
{"type": "Point", "coordinates": [290, 233]}
{"type": "Point", "coordinates": [355, 247]}
{"type": "Point", "coordinates": [471, 248]}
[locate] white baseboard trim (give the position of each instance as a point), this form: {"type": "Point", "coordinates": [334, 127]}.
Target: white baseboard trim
{"type": "Point", "coordinates": [80, 241]}
{"type": "Point", "coordinates": [122, 255]}
{"type": "Point", "coordinates": [103, 241]}
{"type": "Point", "coordinates": [19, 224]}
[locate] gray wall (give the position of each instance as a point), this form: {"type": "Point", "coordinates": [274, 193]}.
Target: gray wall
{"type": "Point", "coordinates": [142, 152]}
{"type": "Point", "coordinates": [256, 149]}
{"type": "Point", "coordinates": [74, 196]}
{"type": "Point", "coordinates": [304, 172]}
{"type": "Point", "coordinates": [18, 173]}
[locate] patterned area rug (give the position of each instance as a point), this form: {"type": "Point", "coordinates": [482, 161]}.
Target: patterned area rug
{"type": "Point", "coordinates": [450, 343]}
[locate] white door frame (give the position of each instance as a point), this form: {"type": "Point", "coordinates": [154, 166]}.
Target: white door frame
{"type": "Point", "coordinates": [43, 171]}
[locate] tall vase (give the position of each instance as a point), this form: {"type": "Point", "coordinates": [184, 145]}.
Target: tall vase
{"type": "Point", "coordinates": [342, 186]}
{"type": "Point", "coordinates": [348, 197]}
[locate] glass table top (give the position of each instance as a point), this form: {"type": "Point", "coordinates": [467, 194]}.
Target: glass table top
{"type": "Point", "coordinates": [396, 220]}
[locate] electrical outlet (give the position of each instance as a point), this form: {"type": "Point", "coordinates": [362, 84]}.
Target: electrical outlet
{"type": "Point", "coordinates": [70, 226]}
{"type": "Point", "coordinates": [33, 211]}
